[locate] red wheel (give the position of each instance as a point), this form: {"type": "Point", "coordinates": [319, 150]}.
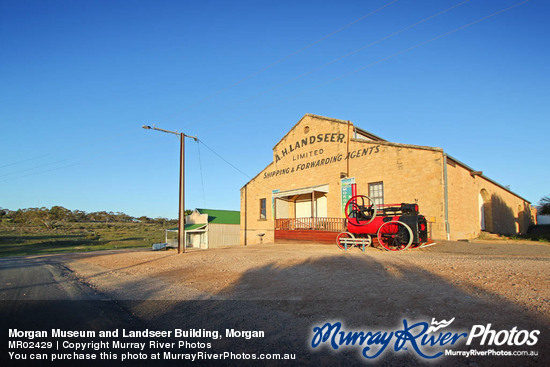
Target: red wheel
{"type": "Point", "coordinates": [395, 236]}
{"type": "Point", "coordinates": [360, 210]}
{"type": "Point", "coordinates": [343, 238]}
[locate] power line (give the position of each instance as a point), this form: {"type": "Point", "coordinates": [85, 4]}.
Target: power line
{"type": "Point", "coordinates": [32, 168]}
{"type": "Point", "coordinates": [234, 167]}
{"type": "Point", "coordinates": [95, 158]}
{"type": "Point", "coordinates": [282, 59]}
{"type": "Point", "coordinates": [40, 172]}
{"type": "Point", "coordinates": [345, 75]}
{"type": "Point", "coordinates": [341, 57]}
{"type": "Point", "coordinates": [90, 142]}
{"type": "Point", "coordinates": [200, 169]}
{"type": "Point", "coordinates": [294, 96]}
{"type": "Point", "coordinates": [225, 160]}
{"type": "Point", "coordinates": [25, 160]}
{"type": "Point", "coordinates": [379, 61]}
{"type": "Point", "coordinates": [56, 152]}
{"type": "Point", "coordinates": [426, 42]}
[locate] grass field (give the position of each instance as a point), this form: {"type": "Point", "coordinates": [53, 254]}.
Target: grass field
{"type": "Point", "coordinates": [17, 240]}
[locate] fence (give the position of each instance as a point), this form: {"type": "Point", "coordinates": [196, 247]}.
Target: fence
{"type": "Point", "coordinates": [316, 224]}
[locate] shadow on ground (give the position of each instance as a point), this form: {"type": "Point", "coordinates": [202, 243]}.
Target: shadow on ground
{"type": "Point", "coordinates": [362, 293]}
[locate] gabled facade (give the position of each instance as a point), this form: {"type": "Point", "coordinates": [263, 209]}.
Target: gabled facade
{"type": "Point", "coordinates": [301, 195]}
{"type": "Point", "coordinates": [211, 228]}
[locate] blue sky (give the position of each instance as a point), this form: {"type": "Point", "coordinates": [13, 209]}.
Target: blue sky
{"type": "Point", "coordinates": [80, 78]}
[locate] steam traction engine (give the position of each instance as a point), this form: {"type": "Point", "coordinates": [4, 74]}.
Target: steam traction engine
{"type": "Point", "coordinates": [395, 226]}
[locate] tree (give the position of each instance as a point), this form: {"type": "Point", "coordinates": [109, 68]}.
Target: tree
{"type": "Point", "coordinates": [145, 219]}
{"type": "Point", "coordinates": [123, 217]}
{"type": "Point", "coordinates": [79, 215]}
{"type": "Point", "coordinates": [61, 214]}
{"type": "Point", "coordinates": [544, 205]}
{"type": "Point", "coordinates": [36, 216]}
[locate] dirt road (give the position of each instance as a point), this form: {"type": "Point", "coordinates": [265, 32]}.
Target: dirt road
{"type": "Point", "coordinates": [286, 289]}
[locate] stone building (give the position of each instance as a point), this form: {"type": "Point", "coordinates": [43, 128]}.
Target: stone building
{"type": "Point", "coordinates": [301, 195]}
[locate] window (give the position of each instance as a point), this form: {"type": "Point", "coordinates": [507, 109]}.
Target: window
{"type": "Point", "coordinates": [376, 192]}
{"type": "Point", "coordinates": [262, 209]}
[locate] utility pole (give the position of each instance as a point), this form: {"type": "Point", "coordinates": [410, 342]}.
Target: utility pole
{"type": "Point", "coordinates": [181, 215]}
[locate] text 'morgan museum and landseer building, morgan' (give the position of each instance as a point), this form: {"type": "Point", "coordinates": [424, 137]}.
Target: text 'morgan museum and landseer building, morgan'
{"type": "Point", "coordinates": [301, 195]}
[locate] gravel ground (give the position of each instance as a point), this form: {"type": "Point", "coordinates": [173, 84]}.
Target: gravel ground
{"type": "Point", "coordinates": [287, 288]}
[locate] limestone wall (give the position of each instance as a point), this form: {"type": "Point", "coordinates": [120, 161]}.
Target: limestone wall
{"type": "Point", "coordinates": [322, 151]}
{"type": "Point", "coordinates": [472, 196]}
{"type": "Point", "coordinates": [317, 151]}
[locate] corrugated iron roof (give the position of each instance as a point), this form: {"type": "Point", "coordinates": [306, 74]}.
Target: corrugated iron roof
{"type": "Point", "coordinates": [188, 227]}
{"type": "Point", "coordinates": [222, 216]}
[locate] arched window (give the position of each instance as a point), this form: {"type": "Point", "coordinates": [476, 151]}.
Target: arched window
{"type": "Point", "coordinates": [485, 211]}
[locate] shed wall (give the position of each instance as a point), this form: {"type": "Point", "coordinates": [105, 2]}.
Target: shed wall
{"type": "Point", "coordinates": [220, 235]}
